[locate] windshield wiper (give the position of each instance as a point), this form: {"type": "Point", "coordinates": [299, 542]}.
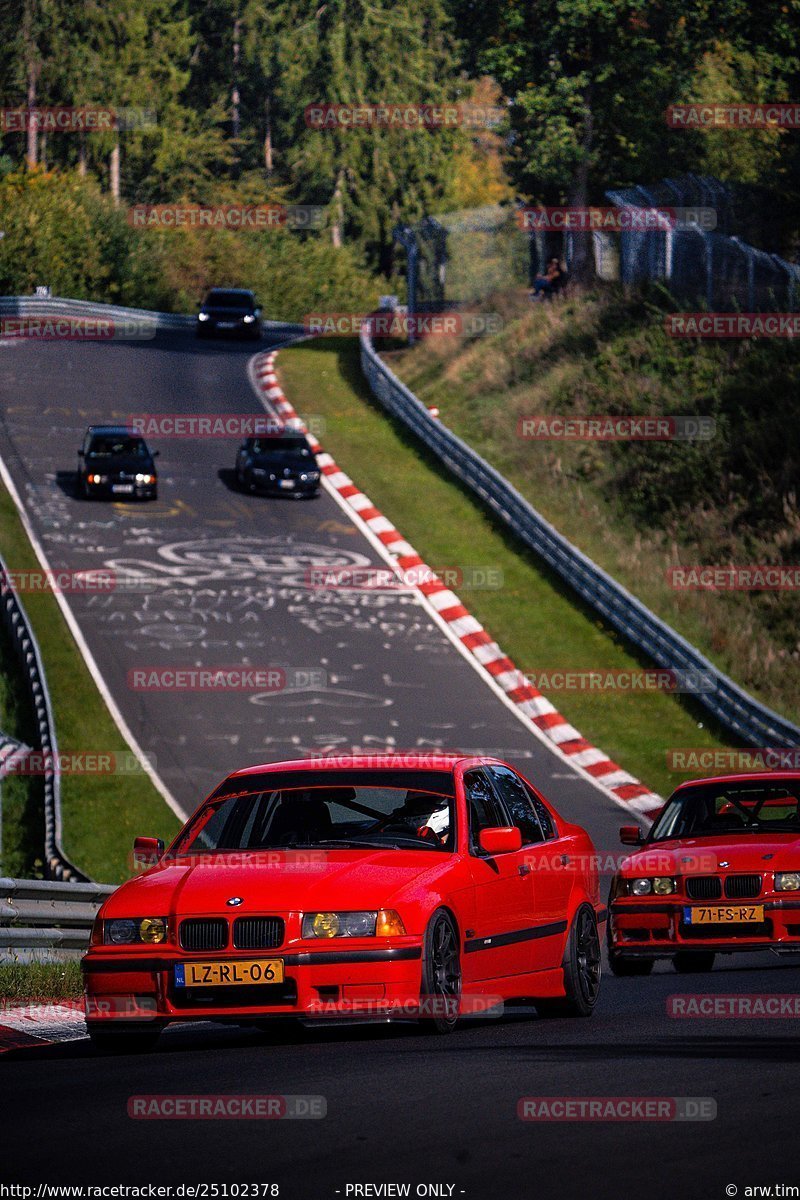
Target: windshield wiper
{"type": "Point", "coordinates": [383, 843]}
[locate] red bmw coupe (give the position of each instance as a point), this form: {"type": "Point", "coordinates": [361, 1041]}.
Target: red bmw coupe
{"type": "Point", "coordinates": [399, 885]}
{"type": "Point", "coordinates": [719, 872]}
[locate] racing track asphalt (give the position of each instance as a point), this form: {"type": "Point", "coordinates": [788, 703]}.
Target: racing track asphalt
{"type": "Point", "coordinates": [401, 1106]}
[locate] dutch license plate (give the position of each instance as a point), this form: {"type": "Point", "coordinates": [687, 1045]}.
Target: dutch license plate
{"type": "Point", "coordinates": [122, 487]}
{"type": "Point", "coordinates": [287, 483]}
{"type": "Point", "coordinates": [227, 324]}
{"type": "Point", "coordinates": [730, 914]}
{"type": "Point", "coordinates": [229, 974]}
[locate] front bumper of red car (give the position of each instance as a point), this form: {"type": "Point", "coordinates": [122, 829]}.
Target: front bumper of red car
{"type": "Point", "coordinates": [656, 928]}
{"type": "Point", "coordinates": [142, 984]}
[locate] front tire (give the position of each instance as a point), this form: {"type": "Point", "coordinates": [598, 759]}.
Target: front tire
{"type": "Point", "coordinates": [123, 1039]}
{"type": "Point", "coordinates": [689, 962]}
{"type": "Point", "coordinates": [582, 969]}
{"type": "Point", "coordinates": [441, 973]}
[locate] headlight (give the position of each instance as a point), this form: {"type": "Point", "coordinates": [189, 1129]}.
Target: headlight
{"type": "Point", "coordinates": [641, 887]}
{"type": "Point", "coordinates": [787, 881]}
{"type": "Point", "coordinates": [129, 930]}
{"type": "Point", "coordinates": [145, 478]}
{"type": "Point", "coordinates": [249, 318]}
{"type": "Point", "coordinates": [202, 316]}
{"type": "Point", "coordinates": [385, 923]}
{"type": "Point", "coordinates": [664, 886]}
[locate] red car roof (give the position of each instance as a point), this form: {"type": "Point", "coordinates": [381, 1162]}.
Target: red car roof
{"type": "Point", "coordinates": [744, 777]}
{"type": "Point", "coordinates": [417, 759]}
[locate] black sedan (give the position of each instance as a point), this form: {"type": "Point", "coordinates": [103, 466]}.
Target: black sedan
{"type": "Point", "coordinates": [230, 311]}
{"type": "Point", "coordinates": [278, 464]}
{"type": "Point", "coordinates": [114, 462]}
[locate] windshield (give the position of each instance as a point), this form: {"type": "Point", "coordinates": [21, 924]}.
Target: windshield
{"type": "Point", "coordinates": [229, 300]}
{"type": "Point", "coordinates": [105, 447]}
{"type": "Point", "coordinates": [725, 808]}
{"type": "Point", "coordinates": [280, 445]}
{"type": "Point", "coordinates": [389, 813]}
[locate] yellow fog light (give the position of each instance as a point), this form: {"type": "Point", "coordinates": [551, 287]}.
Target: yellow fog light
{"type": "Point", "coordinates": [153, 929]}
{"type": "Point", "coordinates": [326, 925]}
{"type": "Point", "coordinates": [389, 924]}
{"type": "Point", "coordinates": [663, 885]}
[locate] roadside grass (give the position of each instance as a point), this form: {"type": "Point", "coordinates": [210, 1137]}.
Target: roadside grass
{"type": "Point", "coordinates": [101, 813]}
{"type": "Point", "coordinates": [640, 508]}
{"type": "Point", "coordinates": [40, 981]}
{"type": "Point", "coordinates": [533, 616]}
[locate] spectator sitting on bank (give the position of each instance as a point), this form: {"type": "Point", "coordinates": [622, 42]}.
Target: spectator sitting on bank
{"type": "Point", "coordinates": [551, 282]}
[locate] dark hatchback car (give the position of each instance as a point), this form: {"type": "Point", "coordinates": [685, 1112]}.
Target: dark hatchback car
{"type": "Point", "coordinates": [116, 462]}
{"type": "Point", "coordinates": [278, 464]}
{"type": "Point", "coordinates": [231, 311]}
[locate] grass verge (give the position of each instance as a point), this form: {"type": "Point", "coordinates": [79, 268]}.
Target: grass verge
{"type": "Point", "coordinates": [640, 508]}
{"type": "Point", "coordinates": [533, 616]}
{"type": "Point", "coordinates": [40, 981]}
{"type": "Point", "coordinates": [101, 813]}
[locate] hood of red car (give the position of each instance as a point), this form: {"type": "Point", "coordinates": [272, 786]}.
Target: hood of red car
{"type": "Point", "coordinates": [276, 881]}
{"type": "Point", "coordinates": [752, 852]}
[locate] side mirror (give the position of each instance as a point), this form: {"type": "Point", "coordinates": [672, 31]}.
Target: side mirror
{"type": "Point", "coordinates": [630, 835]}
{"type": "Point", "coordinates": [147, 851]}
{"type": "Point", "coordinates": [500, 839]}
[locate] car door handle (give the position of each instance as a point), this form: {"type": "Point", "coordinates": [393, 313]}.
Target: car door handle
{"type": "Point", "coordinates": [524, 869]}
{"type": "Point", "coordinates": [564, 859]}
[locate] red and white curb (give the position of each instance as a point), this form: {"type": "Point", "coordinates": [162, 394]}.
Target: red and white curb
{"type": "Point", "coordinates": [26, 1026]}
{"type": "Point", "coordinates": [545, 718]}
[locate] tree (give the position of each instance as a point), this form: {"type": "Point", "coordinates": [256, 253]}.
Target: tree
{"type": "Point", "coordinates": [357, 52]}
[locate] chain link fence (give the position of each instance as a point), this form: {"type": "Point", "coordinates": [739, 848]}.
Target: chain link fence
{"type": "Point", "coordinates": [712, 266]}
{"type": "Point", "coordinates": [459, 258]}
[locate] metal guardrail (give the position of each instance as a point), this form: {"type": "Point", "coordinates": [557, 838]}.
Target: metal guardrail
{"type": "Point", "coordinates": [31, 306]}
{"type": "Point", "coordinates": [746, 718]}
{"type": "Point", "coordinates": [15, 619]}
{"type": "Point", "coordinates": [39, 916]}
